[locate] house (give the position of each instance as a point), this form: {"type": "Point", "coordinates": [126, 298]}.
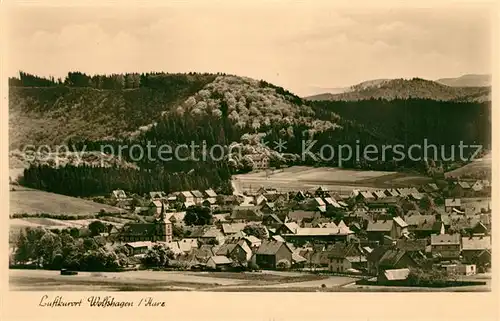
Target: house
{"type": "Point", "coordinates": [409, 245]}
{"type": "Point", "coordinates": [459, 269]}
{"type": "Point", "coordinates": [237, 252]}
{"type": "Point", "coordinates": [119, 194]}
{"type": "Point", "coordinates": [270, 253]}
{"type": "Point", "coordinates": [321, 192]}
{"type": "Point", "coordinates": [346, 258]}
{"type": "Point", "coordinates": [206, 234]}
{"type": "Point", "coordinates": [387, 258]}
{"type": "Point", "coordinates": [365, 196]}
{"type": "Point", "coordinates": [268, 208]}
{"type": "Point", "coordinates": [446, 246]}
{"type": "Point", "coordinates": [246, 212]}
{"type": "Point", "coordinates": [272, 220]}
{"type": "Point", "coordinates": [460, 189]}
{"type": "Point", "coordinates": [404, 192]}
{"type": "Point", "coordinates": [232, 228]}
{"type": "Point", "coordinates": [230, 200]}
{"type": "Point", "coordinates": [198, 196]}
{"type": "Point", "coordinates": [332, 204]}
{"type": "Point", "coordinates": [305, 235]}
{"type": "Point", "coordinates": [140, 247]}
{"type": "Point", "coordinates": [157, 195]}
{"type": "Point", "coordinates": [159, 206]}
{"type": "Point", "coordinates": [185, 196]}
{"type": "Point", "coordinates": [416, 196]}
{"type": "Point", "coordinates": [423, 226]}
{"type": "Point", "coordinates": [391, 192]}
{"type": "Point", "coordinates": [219, 262]}
{"type": "Point", "coordinates": [379, 194]}
{"type": "Point", "coordinates": [429, 188]}
{"type": "Point", "coordinates": [252, 241]}
{"type": "Point", "coordinates": [299, 196]}
{"type": "Point", "coordinates": [475, 246]}
{"type": "Point", "coordinates": [209, 193]}
{"type": "Point", "coordinates": [452, 203]}
{"type": "Point", "coordinates": [288, 228]}
{"type": "Point", "coordinates": [259, 161]}
{"type": "Point", "coordinates": [377, 229]}
{"type": "Point", "coordinates": [393, 276]}
{"type": "Point", "coordinates": [260, 200]}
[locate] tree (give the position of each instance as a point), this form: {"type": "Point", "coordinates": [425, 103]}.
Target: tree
{"type": "Point", "coordinates": [97, 227]}
{"type": "Point", "coordinates": [198, 215]}
{"type": "Point", "coordinates": [158, 256]}
{"type": "Point", "coordinates": [258, 231]}
{"type": "Point", "coordinates": [426, 203]}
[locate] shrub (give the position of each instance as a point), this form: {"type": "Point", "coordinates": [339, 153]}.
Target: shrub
{"type": "Point", "coordinates": [283, 264]}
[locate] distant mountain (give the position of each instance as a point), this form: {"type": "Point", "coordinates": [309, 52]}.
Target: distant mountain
{"type": "Point", "coordinates": [470, 80]}
{"type": "Point", "coordinates": [391, 89]}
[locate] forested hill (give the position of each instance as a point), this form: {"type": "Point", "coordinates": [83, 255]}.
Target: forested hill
{"type": "Point", "coordinates": [175, 109]}
{"type": "Point", "coordinates": [417, 88]}
{"type": "Point", "coordinates": [42, 111]}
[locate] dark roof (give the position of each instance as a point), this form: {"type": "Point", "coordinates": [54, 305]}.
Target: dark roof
{"type": "Point", "coordinates": [342, 250]}
{"type": "Point", "coordinates": [411, 245]}
{"type": "Point", "coordinates": [298, 216]}
{"type": "Point", "coordinates": [377, 253]}
{"type": "Point", "coordinates": [391, 257]}
{"type": "Point", "coordinates": [139, 229]}
{"type": "Point", "coordinates": [379, 226]}
{"type": "Point", "coordinates": [197, 193]}
{"type": "Point", "coordinates": [274, 217]}
{"type": "Point", "coordinates": [270, 247]}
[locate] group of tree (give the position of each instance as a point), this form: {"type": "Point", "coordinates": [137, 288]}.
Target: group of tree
{"type": "Point", "coordinates": [113, 82]}
{"type": "Point", "coordinates": [198, 215]}
{"type": "Point", "coordinates": [91, 181]}
{"type": "Point", "coordinates": [65, 249]}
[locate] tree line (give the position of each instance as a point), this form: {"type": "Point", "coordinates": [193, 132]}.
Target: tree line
{"type": "Point", "coordinates": [112, 81]}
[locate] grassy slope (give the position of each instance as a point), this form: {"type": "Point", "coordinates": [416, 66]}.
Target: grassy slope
{"type": "Point", "coordinates": [31, 201]}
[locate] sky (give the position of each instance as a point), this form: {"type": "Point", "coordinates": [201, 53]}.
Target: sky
{"type": "Point", "coordinates": [306, 48]}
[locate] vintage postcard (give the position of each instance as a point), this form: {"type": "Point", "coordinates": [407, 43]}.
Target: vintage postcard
{"type": "Point", "coordinates": [199, 159]}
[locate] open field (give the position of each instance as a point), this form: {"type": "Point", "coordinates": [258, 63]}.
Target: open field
{"type": "Point", "coordinates": [339, 180]}
{"type": "Point", "coordinates": [477, 166]}
{"type": "Point", "coordinates": [25, 200]}
{"type": "Point", "coordinates": [40, 280]}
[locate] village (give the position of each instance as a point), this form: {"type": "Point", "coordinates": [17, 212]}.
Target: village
{"type": "Point", "coordinates": [382, 234]}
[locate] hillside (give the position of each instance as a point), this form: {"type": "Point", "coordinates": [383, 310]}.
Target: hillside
{"type": "Point", "coordinates": [408, 88]}
{"type": "Point", "coordinates": [470, 80]}
{"type": "Point", "coordinates": [53, 115]}
{"type": "Point", "coordinates": [31, 201]}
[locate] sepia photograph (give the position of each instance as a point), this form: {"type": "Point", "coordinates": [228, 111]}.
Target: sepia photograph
{"type": "Point", "coordinates": [250, 147]}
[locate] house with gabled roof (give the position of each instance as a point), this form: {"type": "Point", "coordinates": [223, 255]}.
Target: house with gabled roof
{"type": "Point", "coordinates": [232, 228]}
{"type": "Point", "coordinates": [210, 193]}
{"type": "Point", "coordinates": [346, 258]}
{"type": "Point", "coordinates": [272, 220]}
{"type": "Point", "coordinates": [365, 196]}
{"type": "Point", "coordinates": [377, 229]}
{"type": "Point", "coordinates": [321, 192]}
{"type": "Point", "coordinates": [299, 216]}
{"type": "Point", "coordinates": [238, 251]}
{"type": "Point", "coordinates": [158, 195]}
{"type": "Point", "coordinates": [460, 189]}
{"type": "Point", "coordinates": [219, 262]}
{"type": "Point", "coordinates": [379, 194]}
{"type": "Point", "coordinates": [270, 253]}
{"type": "Point", "coordinates": [385, 258]}
{"type": "Point", "coordinates": [305, 235]}
{"type": "Point", "coordinates": [260, 200]}
{"type": "Point", "coordinates": [247, 213]}
{"type": "Point", "coordinates": [391, 192]}
{"type": "Point", "coordinates": [473, 249]}
{"type": "Point", "coordinates": [185, 196]}
{"type": "Point", "coordinates": [288, 228]}
{"type": "Point", "coordinates": [446, 246]}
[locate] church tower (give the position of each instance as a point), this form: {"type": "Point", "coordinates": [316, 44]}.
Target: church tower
{"type": "Point", "coordinates": [163, 227]}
